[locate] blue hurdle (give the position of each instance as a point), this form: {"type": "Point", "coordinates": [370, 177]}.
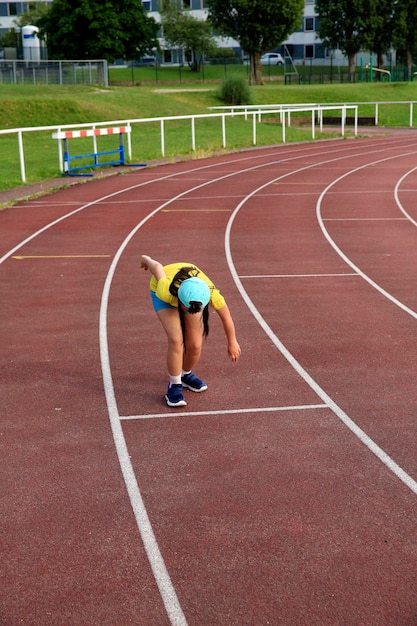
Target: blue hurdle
{"type": "Point", "coordinates": [70, 170]}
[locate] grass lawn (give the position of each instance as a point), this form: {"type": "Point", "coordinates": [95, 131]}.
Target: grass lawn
{"type": "Point", "coordinates": [32, 106]}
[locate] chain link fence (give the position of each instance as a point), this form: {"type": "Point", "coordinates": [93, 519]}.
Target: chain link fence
{"type": "Point", "coordinates": [93, 72]}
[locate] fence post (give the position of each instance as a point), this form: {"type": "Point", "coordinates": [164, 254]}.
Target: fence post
{"type": "Point", "coordinates": [129, 142]}
{"type": "Point", "coordinates": [60, 158]}
{"type": "Point", "coordinates": [21, 156]}
{"type": "Point", "coordinates": [94, 140]}
{"type": "Point", "coordinates": [66, 157]}
{"type": "Point", "coordinates": [224, 130]}
{"type": "Point", "coordinates": [193, 133]}
{"type": "Point", "coordinates": [162, 138]}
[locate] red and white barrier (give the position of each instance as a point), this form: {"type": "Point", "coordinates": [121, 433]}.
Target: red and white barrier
{"type": "Point", "coordinates": [91, 132]}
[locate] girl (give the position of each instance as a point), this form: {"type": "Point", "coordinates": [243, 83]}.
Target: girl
{"type": "Point", "coordinates": [180, 294]}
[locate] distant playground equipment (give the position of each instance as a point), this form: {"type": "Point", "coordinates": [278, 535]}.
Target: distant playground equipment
{"type": "Point", "coordinates": [369, 66]}
{"type": "Point", "coordinates": [289, 66]}
{"type": "Point", "coordinates": [67, 167]}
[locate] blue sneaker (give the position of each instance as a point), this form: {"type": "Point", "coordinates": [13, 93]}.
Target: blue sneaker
{"type": "Point", "coordinates": [174, 396]}
{"type": "Point", "coordinates": [190, 381]}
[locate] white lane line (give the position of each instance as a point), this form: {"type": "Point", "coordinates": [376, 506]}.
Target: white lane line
{"type": "Point", "coordinates": [364, 219]}
{"type": "Point", "coordinates": [296, 275]}
{"type": "Point", "coordinates": [301, 154]}
{"type": "Point", "coordinates": [397, 198]}
{"type": "Point", "coordinates": [269, 409]}
{"type": "Point", "coordinates": [349, 423]}
{"type": "Point", "coordinates": [164, 583]}
{"type": "Point", "coordinates": [162, 578]}
{"type": "Point", "coordinates": [342, 255]}
{"type": "Point", "coordinates": [160, 572]}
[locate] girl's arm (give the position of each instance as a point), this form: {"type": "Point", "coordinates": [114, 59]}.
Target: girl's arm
{"type": "Point", "coordinates": [233, 347]}
{"type": "Point", "coordinates": [156, 268]}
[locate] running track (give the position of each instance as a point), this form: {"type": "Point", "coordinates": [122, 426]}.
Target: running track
{"type": "Point", "coordinates": [286, 493]}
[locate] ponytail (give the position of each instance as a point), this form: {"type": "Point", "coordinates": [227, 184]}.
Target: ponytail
{"type": "Point", "coordinates": [180, 276]}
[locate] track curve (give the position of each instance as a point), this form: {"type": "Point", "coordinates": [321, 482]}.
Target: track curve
{"type": "Point", "coordinates": [255, 504]}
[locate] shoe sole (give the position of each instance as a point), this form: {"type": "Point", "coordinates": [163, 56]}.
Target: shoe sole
{"type": "Point", "coordinates": [175, 404]}
{"type": "Point", "coordinates": [203, 388]}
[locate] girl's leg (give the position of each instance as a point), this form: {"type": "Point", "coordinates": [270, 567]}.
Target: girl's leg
{"type": "Point", "coordinates": [193, 340]}
{"type": "Point", "coordinates": [170, 321]}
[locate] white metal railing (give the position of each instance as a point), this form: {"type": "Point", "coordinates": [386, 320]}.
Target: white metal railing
{"type": "Point", "coordinates": [256, 113]}
{"type": "Point", "coordinates": [250, 108]}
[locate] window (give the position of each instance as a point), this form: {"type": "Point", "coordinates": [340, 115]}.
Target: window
{"type": "Point", "coordinates": [146, 5]}
{"type": "Point", "coordinates": [309, 23]}
{"type": "Point", "coordinates": [309, 52]}
{"type": "Point", "coordinates": [12, 8]}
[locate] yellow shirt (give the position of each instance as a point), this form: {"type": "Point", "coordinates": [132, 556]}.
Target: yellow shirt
{"type": "Point", "coordinates": [161, 287]}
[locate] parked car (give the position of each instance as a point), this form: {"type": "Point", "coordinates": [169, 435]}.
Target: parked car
{"type": "Point", "coordinates": [145, 62]}
{"type": "Point", "coordinates": [272, 58]}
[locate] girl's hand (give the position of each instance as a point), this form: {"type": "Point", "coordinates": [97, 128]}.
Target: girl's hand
{"type": "Point", "coordinates": [234, 351]}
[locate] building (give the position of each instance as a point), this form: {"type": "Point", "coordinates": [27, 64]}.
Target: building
{"type": "Point", "coordinates": [199, 10]}
{"type": "Point", "coordinates": [10, 11]}
{"type": "Point", "coordinates": [27, 45]}
{"type": "Point", "coordinates": [301, 47]}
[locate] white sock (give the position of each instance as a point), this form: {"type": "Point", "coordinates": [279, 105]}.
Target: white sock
{"type": "Point", "coordinates": [175, 380]}
{"type": "Point", "coordinates": [183, 373]}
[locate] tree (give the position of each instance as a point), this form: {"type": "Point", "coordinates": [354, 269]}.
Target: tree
{"type": "Point", "coordinates": [404, 35]}
{"type": "Point", "coordinates": [10, 39]}
{"type": "Point", "coordinates": [346, 25]}
{"type": "Point", "coordinates": [258, 25]}
{"type": "Point", "coordinates": [180, 29]}
{"type": "Point", "coordinates": [79, 29]}
{"type": "Point", "coordinates": [381, 31]}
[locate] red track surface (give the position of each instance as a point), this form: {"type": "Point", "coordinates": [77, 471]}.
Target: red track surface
{"type": "Point", "coordinates": [286, 493]}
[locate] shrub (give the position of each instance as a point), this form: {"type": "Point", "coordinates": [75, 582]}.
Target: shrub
{"type": "Point", "coordinates": [222, 53]}
{"type": "Point", "coordinates": [235, 91]}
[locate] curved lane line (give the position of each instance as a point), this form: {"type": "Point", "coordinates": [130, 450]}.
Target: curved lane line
{"type": "Point", "coordinates": [353, 427]}
{"type": "Point", "coordinates": [162, 578]}
{"type": "Point", "coordinates": [166, 589]}
{"type": "Point", "coordinates": [342, 255]}
{"type": "Point", "coordinates": [397, 198]}
{"type": "Point", "coordinates": [167, 177]}
{"type": "Point", "coordinates": [156, 561]}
